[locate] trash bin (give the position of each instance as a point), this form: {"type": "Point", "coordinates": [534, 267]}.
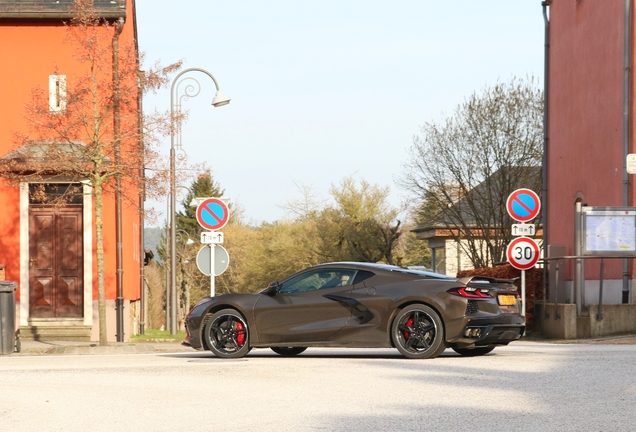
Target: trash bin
{"type": "Point", "coordinates": [7, 316]}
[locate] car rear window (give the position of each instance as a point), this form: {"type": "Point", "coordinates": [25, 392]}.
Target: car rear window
{"type": "Point", "coordinates": [423, 273]}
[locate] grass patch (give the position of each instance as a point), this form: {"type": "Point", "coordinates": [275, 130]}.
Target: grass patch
{"type": "Point", "coordinates": [159, 334]}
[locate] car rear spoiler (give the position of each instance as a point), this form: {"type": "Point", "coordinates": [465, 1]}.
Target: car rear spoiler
{"type": "Point", "coordinates": [485, 279]}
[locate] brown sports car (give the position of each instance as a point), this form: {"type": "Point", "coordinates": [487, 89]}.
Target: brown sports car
{"type": "Point", "coordinates": [362, 305]}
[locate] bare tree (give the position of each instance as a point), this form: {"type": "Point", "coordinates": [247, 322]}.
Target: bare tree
{"type": "Point", "coordinates": [463, 169]}
{"type": "Point", "coordinates": [77, 140]}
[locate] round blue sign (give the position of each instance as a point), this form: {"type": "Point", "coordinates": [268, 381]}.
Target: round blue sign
{"type": "Point", "coordinates": [523, 205]}
{"type": "Point", "coordinates": [213, 214]}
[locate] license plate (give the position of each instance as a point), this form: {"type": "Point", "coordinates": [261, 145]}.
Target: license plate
{"type": "Point", "coordinates": [507, 300]}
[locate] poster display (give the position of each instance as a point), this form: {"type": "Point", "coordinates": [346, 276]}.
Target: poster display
{"type": "Point", "coordinates": [609, 230]}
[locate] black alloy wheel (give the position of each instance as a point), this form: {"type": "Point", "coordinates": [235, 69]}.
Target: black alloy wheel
{"type": "Point", "coordinates": [227, 334]}
{"type": "Point", "coordinates": [473, 352]}
{"type": "Point", "coordinates": [418, 332]}
{"type": "Point", "coordinates": [288, 351]}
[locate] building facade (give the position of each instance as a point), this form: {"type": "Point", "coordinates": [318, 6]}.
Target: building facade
{"type": "Point", "coordinates": [590, 100]}
{"type": "Point", "coordinates": [50, 250]}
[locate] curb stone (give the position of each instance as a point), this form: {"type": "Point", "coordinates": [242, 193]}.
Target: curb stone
{"type": "Point", "coordinates": [32, 348]}
{"type": "Point", "coordinates": [110, 349]}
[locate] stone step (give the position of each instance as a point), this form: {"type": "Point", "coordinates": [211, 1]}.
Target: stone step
{"type": "Point", "coordinates": [56, 333]}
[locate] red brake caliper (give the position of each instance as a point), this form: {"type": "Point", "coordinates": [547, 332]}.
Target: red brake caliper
{"type": "Point", "coordinates": [408, 323]}
{"type": "Point", "coordinates": [240, 337]}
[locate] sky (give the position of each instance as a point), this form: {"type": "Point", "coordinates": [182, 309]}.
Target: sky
{"type": "Point", "coordinates": [326, 89]}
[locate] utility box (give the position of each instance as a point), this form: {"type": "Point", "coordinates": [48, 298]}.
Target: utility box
{"type": "Point", "coordinates": [7, 317]}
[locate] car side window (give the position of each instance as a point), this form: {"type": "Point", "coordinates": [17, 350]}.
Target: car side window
{"type": "Point", "coordinates": [318, 279]}
{"type": "Point", "coordinates": [362, 276]}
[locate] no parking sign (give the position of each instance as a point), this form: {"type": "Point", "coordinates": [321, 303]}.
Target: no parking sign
{"type": "Point", "coordinates": [213, 214]}
{"type": "Point", "coordinates": [523, 205]}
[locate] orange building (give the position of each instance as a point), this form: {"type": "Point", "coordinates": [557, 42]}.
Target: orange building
{"type": "Point", "coordinates": [51, 251]}
{"type": "Point", "coordinates": [590, 104]}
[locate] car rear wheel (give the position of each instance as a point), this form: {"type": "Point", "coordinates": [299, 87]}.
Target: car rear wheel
{"type": "Point", "coordinates": [473, 352]}
{"type": "Point", "coordinates": [288, 351]}
{"type": "Point", "coordinates": [418, 332]}
{"type": "Point", "coordinates": [227, 334]}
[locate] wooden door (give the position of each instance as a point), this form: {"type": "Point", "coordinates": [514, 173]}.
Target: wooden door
{"type": "Point", "coordinates": [56, 262]}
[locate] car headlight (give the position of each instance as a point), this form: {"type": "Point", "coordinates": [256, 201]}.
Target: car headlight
{"type": "Point", "coordinates": [203, 301]}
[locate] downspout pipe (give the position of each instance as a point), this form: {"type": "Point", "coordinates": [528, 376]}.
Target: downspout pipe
{"type": "Point", "coordinates": [626, 116]}
{"type": "Point", "coordinates": [119, 303]}
{"type": "Point", "coordinates": [544, 162]}
{"type": "Point", "coordinates": [142, 193]}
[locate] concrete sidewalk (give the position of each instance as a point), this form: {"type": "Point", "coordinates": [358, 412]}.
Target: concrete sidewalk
{"type": "Point", "coordinates": [607, 340]}
{"type": "Point", "coordinates": [30, 347]}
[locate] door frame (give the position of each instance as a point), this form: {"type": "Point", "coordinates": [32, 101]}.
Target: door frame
{"type": "Point", "coordinates": [87, 234]}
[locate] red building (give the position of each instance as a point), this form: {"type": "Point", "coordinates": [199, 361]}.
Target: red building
{"type": "Point", "coordinates": [590, 100]}
{"type": "Point", "coordinates": [49, 251]}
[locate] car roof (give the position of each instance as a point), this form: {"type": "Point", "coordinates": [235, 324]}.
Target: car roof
{"type": "Point", "coordinates": [386, 268]}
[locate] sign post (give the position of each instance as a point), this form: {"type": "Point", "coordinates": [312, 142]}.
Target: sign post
{"type": "Point", "coordinates": [212, 249]}
{"type": "Point", "coordinates": [523, 205]}
{"type": "Point", "coordinates": [212, 214]}
{"type": "Point", "coordinates": [523, 254]}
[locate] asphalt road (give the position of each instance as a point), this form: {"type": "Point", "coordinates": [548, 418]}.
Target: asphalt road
{"type": "Point", "coordinates": [526, 386]}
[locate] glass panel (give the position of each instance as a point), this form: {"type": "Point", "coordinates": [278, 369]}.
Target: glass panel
{"type": "Point", "coordinates": [55, 193]}
{"type": "Point", "coordinates": [440, 260]}
{"type": "Point", "coordinates": [319, 279]}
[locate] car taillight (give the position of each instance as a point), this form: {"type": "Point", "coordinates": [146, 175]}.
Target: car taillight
{"type": "Point", "coordinates": [470, 292]}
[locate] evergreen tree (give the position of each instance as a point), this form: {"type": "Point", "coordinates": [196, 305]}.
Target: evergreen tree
{"type": "Point", "coordinates": [203, 187]}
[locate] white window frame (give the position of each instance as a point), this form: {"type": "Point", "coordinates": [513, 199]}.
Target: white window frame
{"type": "Point", "coordinates": [57, 93]}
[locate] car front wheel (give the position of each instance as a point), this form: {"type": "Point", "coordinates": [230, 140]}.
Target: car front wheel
{"type": "Point", "coordinates": [288, 351]}
{"type": "Point", "coordinates": [418, 332]}
{"type": "Point", "coordinates": [227, 334]}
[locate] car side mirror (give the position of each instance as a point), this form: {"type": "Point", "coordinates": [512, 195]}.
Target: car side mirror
{"type": "Point", "coordinates": [273, 288]}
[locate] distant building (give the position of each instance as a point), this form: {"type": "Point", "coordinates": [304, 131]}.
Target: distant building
{"type": "Point", "coordinates": [446, 233]}
{"type": "Point", "coordinates": [50, 251]}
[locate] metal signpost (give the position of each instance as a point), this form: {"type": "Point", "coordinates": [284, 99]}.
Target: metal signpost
{"type": "Point", "coordinates": [523, 205]}
{"type": "Point", "coordinates": [212, 260]}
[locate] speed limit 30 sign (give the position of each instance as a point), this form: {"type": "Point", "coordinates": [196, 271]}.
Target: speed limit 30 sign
{"type": "Point", "coordinates": [523, 253]}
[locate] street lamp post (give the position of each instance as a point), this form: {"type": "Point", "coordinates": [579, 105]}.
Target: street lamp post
{"type": "Point", "coordinates": [181, 235]}
{"type": "Point", "coordinates": [169, 255]}
{"type": "Point", "coordinates": [190, 91]}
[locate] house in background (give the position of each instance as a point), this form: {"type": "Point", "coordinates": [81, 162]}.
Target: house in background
{"type": "Point", "coordinates": [478, 224]}
{"type": "Point", "coordinates": [50, 251]}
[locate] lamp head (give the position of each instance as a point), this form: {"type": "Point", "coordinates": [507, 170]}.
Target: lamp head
{"type": "Point", "coordinates": [220, 99]}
